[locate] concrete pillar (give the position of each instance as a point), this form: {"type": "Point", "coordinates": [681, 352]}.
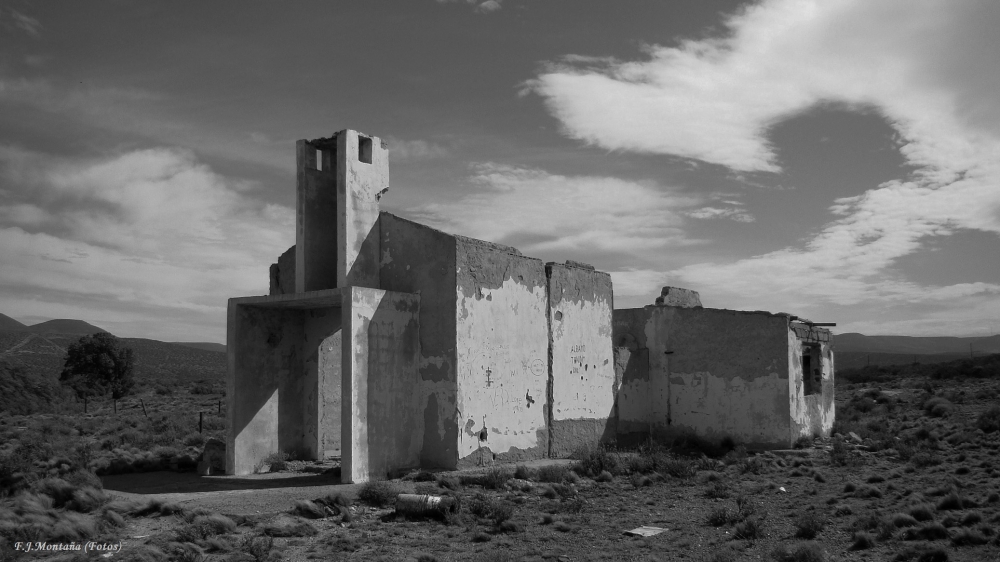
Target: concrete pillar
{"type": "Point", "coordinates": [362, 179]}
{"type": "Point", "coordinates": [340, 180]}
{"type": "Point", "coordinates": [316, 215]}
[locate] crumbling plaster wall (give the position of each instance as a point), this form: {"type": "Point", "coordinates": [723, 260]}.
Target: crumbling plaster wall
{"type": "Point", "coordinates": [811, 415]}
{"type": "Point", "coordinates": [583, 373]}
{"type": "Point", "coordinates": [714, 372]}
{"type": "Point", "coordinates": [383, 422]}
{"type": "Point", "coordinates": [419, 259]}
{"type": "Point", "coordinates": [502, 344]}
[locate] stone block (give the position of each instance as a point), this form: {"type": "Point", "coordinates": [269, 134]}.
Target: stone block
{"type": "Point", "coordinates": [676, 296]}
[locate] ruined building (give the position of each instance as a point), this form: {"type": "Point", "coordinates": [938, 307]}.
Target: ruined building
{"type": "Point", "coordinates": [394, 345]}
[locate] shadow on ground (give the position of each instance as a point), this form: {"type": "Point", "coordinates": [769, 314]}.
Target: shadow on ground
{"type": "Point", "coordinates": [165, 482]}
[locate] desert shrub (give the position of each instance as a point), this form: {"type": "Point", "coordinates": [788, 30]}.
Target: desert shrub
{"type": "Point", "coordinates": [494, 509]}
{"type": "Point", "coordinates": [522, 472]}
{"type": "Point", "coordinates": [640, 464]}
{"type": "Point", "coordinates": [950, 501]}
{"type": "Point", "coordinates": [640, 480]}
{"type": "Point", "coordinates": [971, 519]}
{"type": "Point", "coordinates": [679, 468]}
{"type": "Point", "coordinates": [927, 532]}
{"type": "Point", "coordinates": [286, 526]}
{"type": "Point", "coordinates": [752, 465]}
{"type": "Point", "coordinates": [989, 421]}
{"type": "Point", "coordinates": [865, 492]}
{"type": "Point", "coordinates": [496, 477]}
{"type": "Point", "coordinates": [968, 537]}
{"type": "Point", "coordinates": [809, 525]}
{"type": "Point", "coordinates": [257, 545]}
{"type": "Point", "coordinates": [802, 552]}
{"type": "Point", "coordinates": [552, 473]}
{"type": "Point", "coordinates": [377, 493]}
{"type": "Point", "coordinates": [604, 476]}
{"type": "Point", "coordinates": [308, 509]}
{"type": "Point", "coordinates": [863, 540]}
{"type": "Point", "coordinates": [594, 459]}
{"type": "Point", "coordinates": [749, 529]}
{"type": "Point", "coordinates": [924, 459]}
{"type": "Point", "coordinates": [938, 407]}
{"type": "Point", "coordinates": [922, 554]}
{"type": "Point", "coordinates": [904, 520]}
{"type": "Point", "coordinates": [719, 490]}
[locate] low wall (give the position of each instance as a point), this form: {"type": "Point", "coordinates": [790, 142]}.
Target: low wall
{"type": "Point", "coordinates": [582, 372]}
{"type": "Point", "coordinates": [715, 372]}
{"type": "Point", "coordinates": [502, 354]}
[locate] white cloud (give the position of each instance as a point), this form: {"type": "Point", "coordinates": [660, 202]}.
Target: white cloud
{"type": "Point", "coordinates": [133, 237]}
{"type": "Point", "coordinates": [546, 214]}
{"type": "Point", "coordinates": [414, 150]}
{"type": "Point", "coordinates": [481, 6]}
{"type": "Point", "coordinates": [715, 99]}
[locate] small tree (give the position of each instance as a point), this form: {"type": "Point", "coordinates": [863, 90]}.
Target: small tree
{"type": "Point", "coordinates": [98, 364]}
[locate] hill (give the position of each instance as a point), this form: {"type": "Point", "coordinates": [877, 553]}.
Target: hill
{"type": "Point", "coordinates": [207, 346]}
{"type": "Point", "coordinates": [9, 324]}
{"type": "Point", "coordinates": [913, 345]}
{"type": "Point", "coordinates": [65, 326]}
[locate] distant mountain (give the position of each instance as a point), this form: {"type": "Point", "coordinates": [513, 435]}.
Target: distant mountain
{"type": "Point", "coordinates": [65, 326]}
{"type": "Point", "coordinates": [9, 324]}
{"type": "Point", "coordinates": [207, 346]}
{"type": "Point", "coordinates": [911, 345]}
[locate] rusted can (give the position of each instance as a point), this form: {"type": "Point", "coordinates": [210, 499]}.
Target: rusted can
{"type": "Point", "coordinates": [422, 504]}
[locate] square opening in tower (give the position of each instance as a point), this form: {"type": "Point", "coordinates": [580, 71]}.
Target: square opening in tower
{"type": "Point", "coordinates": [365, 149]}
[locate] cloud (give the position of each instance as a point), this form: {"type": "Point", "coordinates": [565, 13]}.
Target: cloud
{"type": "Point", "coordinates": [132, 239]}
{"type": "Point", "coordinates": [485, 7]}
{"type": "Point", "coordinates": [136, 111]}
{"type": "Point", "coordinates": [21, 21]}
{"type": "Point", "coordinates": [549, 214]}
{"type": "Point", "coordinates": [414, 150]}
{"type": "Point", "coordinates": [725, 206]}
{"type": "Point", "coordinates": [926, 67]}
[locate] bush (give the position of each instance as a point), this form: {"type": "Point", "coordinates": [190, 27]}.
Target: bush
{"type": "Point", "coordinates": [552, 473]}
{"type": "Point", "coordinates": [597, 459]}
{"type": "Point", "coordinates": [286, 526]}
{"type": "Point", "coordinates": [749, 529]}
{"type": "Point", "coordinates": [989, 421]}
{"type": "Point", "coordinates": [491, 508]}
{"type": "Point", "coordinates": [803, 552]}
{"type": "Point", "coordinates": [378, 493]}
{"type": "Point", "coordinates": [809, 525]}
{"type": "Point", "coordinates": [496, 477]}
{"type": "Point", "coordinates": [863, 540]}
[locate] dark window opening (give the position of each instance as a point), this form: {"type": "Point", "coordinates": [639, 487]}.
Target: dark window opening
{"type": "Point", "coordinates": [365, 149]}
{"type": "Point", "coordinates": [812, 369]}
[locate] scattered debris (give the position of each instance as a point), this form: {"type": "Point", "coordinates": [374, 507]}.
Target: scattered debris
{"type": "Point", "coordinates": [645, 531]}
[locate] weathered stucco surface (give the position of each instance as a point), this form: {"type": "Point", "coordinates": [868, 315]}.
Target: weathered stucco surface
{"type": "Point", "coordinates": [582, 371]}
{"type": "Point", "coordinates": [419, 259]}
{"type": "Point", "coordinates": [323, 363]}
{"type": "Point", "coordinates": [502, 352]}
{"type": "Point", "coordinates": [715, 372]}
{"type": "Point", "coordinates": [383, 428]}
{"type": "Point", "coordinates": [316, 248]}
{"type": "Point", "coordinates": [633, 402]}
{"type": "Point", "coordinates": [811, 415]}
{"type": "Point", "coordinates": [360, 186]}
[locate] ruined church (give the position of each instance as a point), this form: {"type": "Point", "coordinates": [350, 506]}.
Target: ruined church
{"type": "Point", "coordinates": [393, 345]}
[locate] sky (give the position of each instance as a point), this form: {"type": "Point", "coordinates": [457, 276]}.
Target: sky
{"type": "Point", "coordinates": [834, 159]}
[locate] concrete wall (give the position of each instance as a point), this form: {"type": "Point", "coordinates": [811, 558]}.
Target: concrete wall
{"type": "Point", "coordinates": [726, 374]}
{"type": "Point", "coordinates": [583, 383]}
{"type": "Point", "coordinates": [322, 343]}
{"type": "Point", "coordinates": [383, 427]}
{"type": "Point", "coordinates": [316, 212]}
{"type": "Point", "coordinates": [502, 351]}
{"type": "Point", "coordinates": [360, 186]}
{"type": "Point", "coordinates": [633, 403]}
{"type": "Point", "coordinates": [418, 259]}
{"type": "Point", "coordinates": [279, 354]}
{"type": "Point", "coordinates": [813, 414]}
